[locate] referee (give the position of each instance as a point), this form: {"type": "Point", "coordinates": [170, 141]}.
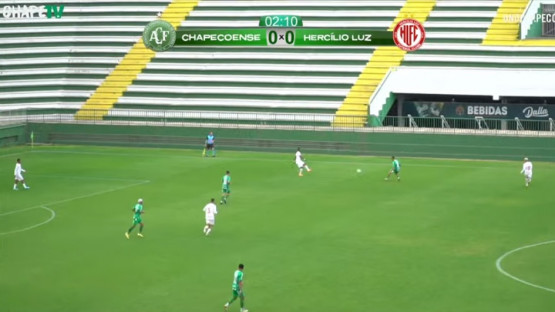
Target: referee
{"type": "Point", "coordinates": [209, 145]}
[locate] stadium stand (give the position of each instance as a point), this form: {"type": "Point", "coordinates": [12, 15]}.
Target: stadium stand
{"type": "Point", "coordinates": [64, 63]}
{"type": "Point", "coordinates": [291, 83]}
{"type": "Point", "coordinates": [57, 63]}
{"type": "Point", "coordinates": [464, 35]}
{"type": "Point", "coordinates": [458, 42]}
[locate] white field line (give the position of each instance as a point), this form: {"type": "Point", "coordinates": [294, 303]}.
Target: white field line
{"type": "Point", "coordinates": [13, 154]}
{"type": "Point", "coordinates": [92, 194]}
{"type": "Point", "coordinates": [86, 178]}
{"type": "Point", "coordinates": [500, 269]}
{"type": "Point", "coordinates": [80, 197]}
{"type": "Point", "coordinates": [52, 216]}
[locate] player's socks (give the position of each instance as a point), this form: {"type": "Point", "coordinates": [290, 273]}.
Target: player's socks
{"type": "Point", "coordinates": [15, 187]}
{"type": "Point", "coordinates": [131, 229]}
{"type": "Point", "coordinates": [208, 231]}
{"type": "Point", "coordinates": [205, 228]}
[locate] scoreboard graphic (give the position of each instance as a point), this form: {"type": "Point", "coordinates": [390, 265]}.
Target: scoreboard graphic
{"type": "Point", "coordinates": [283, 31]}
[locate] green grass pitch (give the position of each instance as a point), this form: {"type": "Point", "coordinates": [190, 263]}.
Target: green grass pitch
{"type": "Point", "coordinates": [333, 240]}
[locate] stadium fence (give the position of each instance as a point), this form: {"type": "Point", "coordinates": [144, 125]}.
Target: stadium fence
{"type": "Point", "coordinates": [477, 138]}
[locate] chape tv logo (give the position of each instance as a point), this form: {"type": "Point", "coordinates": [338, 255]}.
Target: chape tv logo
{"type": "Point", "coordinates": [32, 11]}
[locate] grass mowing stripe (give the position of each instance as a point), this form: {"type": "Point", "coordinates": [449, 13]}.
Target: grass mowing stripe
{"type": "Point", "coordinates": [358, 158]}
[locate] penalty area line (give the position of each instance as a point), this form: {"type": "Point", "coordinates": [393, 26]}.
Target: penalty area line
{"type": "Point", "coordinates": [53, 213]}
{"type": "Point", "coordinates": [62, 201]}
{"type": "Point", "coordinates": [119, 188]}
{"type": "Point", "coordinates": [502, 271]}
{"type": "Point", "coordinates": [87, 178]}
{"type": "Point", "coordinates": [52, 216]}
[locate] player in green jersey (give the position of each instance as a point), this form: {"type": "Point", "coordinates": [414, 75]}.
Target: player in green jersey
{"type": "Point", "coordinates": [137, 212]}
{"type": "Point", "coordinates": [395, 169]}
{"type": "Point", "coordinates": [237, 289]}
{"type": "Point", "coordinates": [226, 187]}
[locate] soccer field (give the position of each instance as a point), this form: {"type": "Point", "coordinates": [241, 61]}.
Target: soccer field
{"type": "Point", "coordinates": [333, 240]}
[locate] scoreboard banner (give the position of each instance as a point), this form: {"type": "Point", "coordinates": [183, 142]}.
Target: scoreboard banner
{"type": "Point", "coordinates": [283, 31]}
{"type": "Point", "coordinates": [284, 37]}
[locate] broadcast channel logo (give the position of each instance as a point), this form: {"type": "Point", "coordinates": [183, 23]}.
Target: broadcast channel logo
{"type": "Point", "coordinates": [32, 11]}
{"type": "Point", "coordinates": [409, 35]}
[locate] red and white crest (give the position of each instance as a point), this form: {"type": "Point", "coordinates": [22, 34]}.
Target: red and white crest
{"type": "Point", "coordinates": [409, 35]}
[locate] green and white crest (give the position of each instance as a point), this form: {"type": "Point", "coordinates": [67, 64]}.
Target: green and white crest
{"type": "Point", "coordinates": [159, 35]}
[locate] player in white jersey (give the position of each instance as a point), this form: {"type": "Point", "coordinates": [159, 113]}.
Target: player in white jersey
{"type": "Point", "coordinates": [210, 212]}
{"type": "Point", "coordinates": [527, 170]}
{"type": "Point", "coordinates": [18, 173]}
{"type": "Point", "coordinates": [299, 160]}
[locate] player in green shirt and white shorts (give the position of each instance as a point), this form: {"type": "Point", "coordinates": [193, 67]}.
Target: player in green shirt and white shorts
{"type": "Point", "coordinates": [226, 187]}
{"type": "Point", "coordinates": [395, 169]}
{"type": "Point", "coordinates": [237, 289]}
{"type": "Point", "coordinates": [137, 212]}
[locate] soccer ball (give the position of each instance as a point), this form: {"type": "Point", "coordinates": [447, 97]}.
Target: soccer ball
{"type": "Point", "coordinates": [359, 170]}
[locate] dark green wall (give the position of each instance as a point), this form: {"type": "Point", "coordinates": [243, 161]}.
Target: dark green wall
{"type": "Point", "coordinates": [12, 135]}
{"type": "Point", "coordinates": [338, 142]}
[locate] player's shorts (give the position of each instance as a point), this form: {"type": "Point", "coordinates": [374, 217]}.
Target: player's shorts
{"type": "Point", "coordinates": [210, 221]}
{"type": "Point", "coordinates": [137, 220]}
{"type": "Point", "coordinates": [236, 293]}
{"type": "Point", "coordinates": [300, 164]}
{"type": "Point", "coordinates": [19, 177]}
{"type": "Point", "coordinates": [226, 189]}
{"type": "Point", "coordinates": [209, 146]}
